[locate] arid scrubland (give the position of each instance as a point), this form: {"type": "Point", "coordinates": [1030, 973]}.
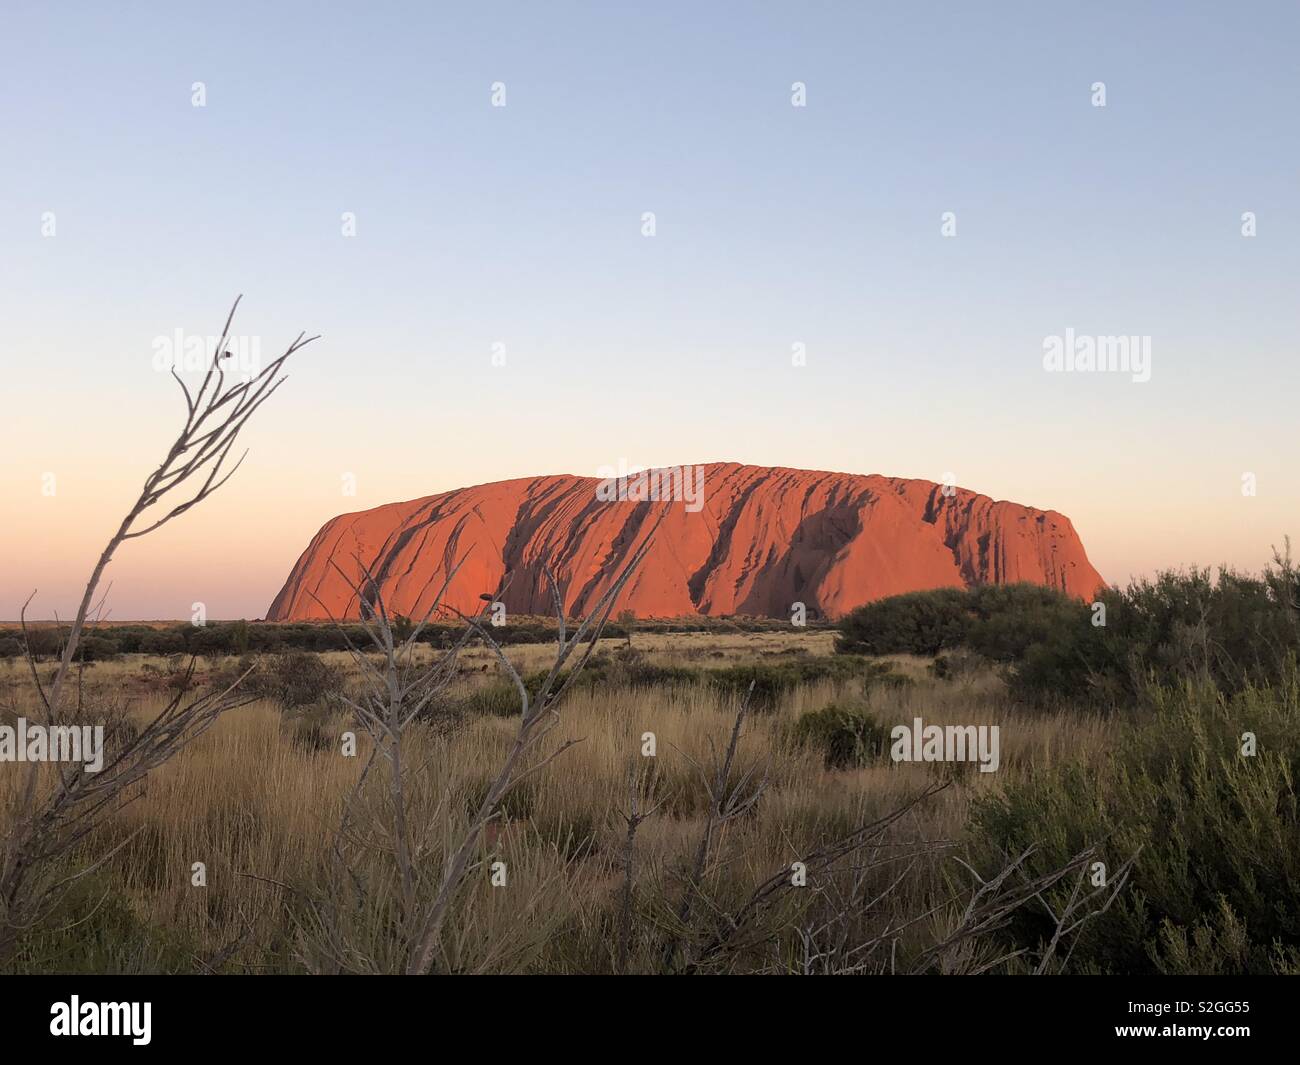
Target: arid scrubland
{"type": "Point", "coordinates": [257, 799]}
{"type": "Point", "coordinates": [996, 779]}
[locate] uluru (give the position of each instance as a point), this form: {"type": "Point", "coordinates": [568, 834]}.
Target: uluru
{"type": "Point", "coordinates": [757, 540]}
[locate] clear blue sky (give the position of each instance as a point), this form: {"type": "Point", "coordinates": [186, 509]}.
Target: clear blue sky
{"type": "Point", "coordinates": [775, 225]}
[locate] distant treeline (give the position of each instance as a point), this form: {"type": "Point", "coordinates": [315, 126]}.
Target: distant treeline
{"type": "Point", "coordinates": [268, 637]}
{"type": "Point", "coordinates": [1234, 630]}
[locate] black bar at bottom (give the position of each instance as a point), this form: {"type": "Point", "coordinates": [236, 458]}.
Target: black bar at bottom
{"type": "Point", "coordinates": [302, 1014]}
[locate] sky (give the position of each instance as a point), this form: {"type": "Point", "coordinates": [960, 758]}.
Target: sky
{"type": "Point", "coordinates": [948, 196]}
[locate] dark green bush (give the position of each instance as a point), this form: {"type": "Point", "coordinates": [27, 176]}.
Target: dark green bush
{"type": "Point", "coordinates": [997, 621]}
{"type": "Point", "coordinates": [1237, 630]}
{"type": "Point", "coordinates": [846, 736]}
{"type": "Point", "coordinates": [97, 649]}
{"type": "Point", "coordinates": [212, 640]}
{"type": "Point", "coordinates": [162, 643]}
{"type": "Point", "coordinates": [127, 637]}
{"type": "Point", "coordinates": [1232, 630]}
{"type": "Point", "coordinates": [297, 679]}
{"type": "Point", "coordinates": [1011, 618]}
{"type": "Point", "coordinates": [918, 623]}
{"type": "Point", "coordinates": [95, 930]}
{"type": "Point", "coordinates": [1214, 888]}
{"type": "Point", "coordinates": [45, 643]}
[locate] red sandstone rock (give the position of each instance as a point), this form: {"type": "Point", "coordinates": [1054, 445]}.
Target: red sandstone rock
{"type": "Point", "coordinates": [764, 539]}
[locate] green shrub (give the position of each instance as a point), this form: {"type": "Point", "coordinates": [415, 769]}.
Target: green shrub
{"type": "Point", "coordinates": [211, 640]}
{"type": "Point", "coordinates": [45, 643]}
{"type": "Point", "coordinates": [96, 649]}
{"type": "Point", "coordinates": [846, 737]}
{"type": "Point", "coordinates": [1233, 630]}
{"type": "Point", "coordinates": [1008, 619]}
{"type": "Point", "coordinates": [297, 679]}
{"type": "Point", "coordinates": [162, 643]}
{"type": "Point", "coordinates": [997, 621]}
{"type": "Point", "coordinates": [127, 637]}
{"type": "Point", "coordinates": [497, 698]}
{"type": "Point", "coordinates": [1237, 630]}
{"type": "Point", "coordinates": [219, 638]}
{"type": "Point", "coordinates": [95, 930]}
{"type": "Point", "coordinates": [918, 623]}
{"type": "Point", "coordinates": [1214, 887]}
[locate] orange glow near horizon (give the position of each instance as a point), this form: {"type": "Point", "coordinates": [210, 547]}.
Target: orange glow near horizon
{"type": "Point", "coordinates": [234, 552]}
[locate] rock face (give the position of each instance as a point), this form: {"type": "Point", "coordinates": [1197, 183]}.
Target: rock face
{"type": "Point", "coordinates": [763, 539]}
